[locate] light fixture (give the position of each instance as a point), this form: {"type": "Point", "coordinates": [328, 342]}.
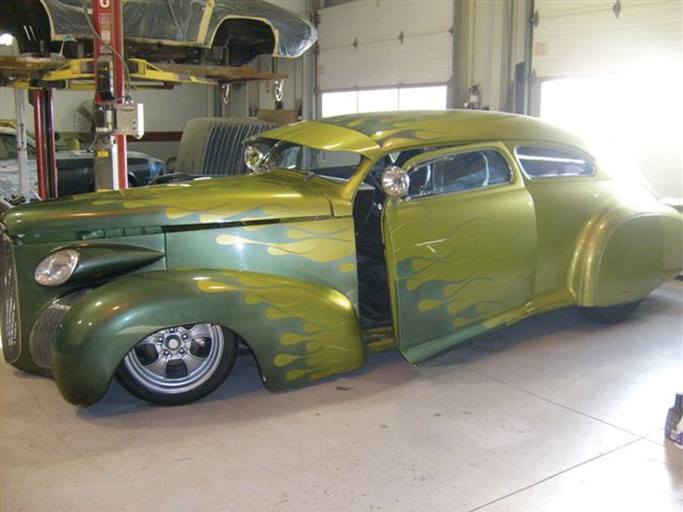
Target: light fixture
{"type": "Point", "coordinates": [6, 39]}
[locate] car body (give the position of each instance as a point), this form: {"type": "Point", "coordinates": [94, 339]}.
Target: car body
{"type": "Point", "coordinates": [354, 234]}
{"type": "Point", "coordinates": [75, 168]}
{"type": "Point", "coordinates": [230, 32]}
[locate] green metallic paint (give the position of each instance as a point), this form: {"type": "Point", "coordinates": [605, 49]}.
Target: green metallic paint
{"type": "Point", "coordinates": [273, 196]}
{"type": "Point", "coordinates": [458, 262]}
{"type": "Point", "coordinates": [614, 270]}
{"type": "Point", "coordinates": [321, 251]}
{"type": "Point", "coordinates": [105, 261]}
{"type": "Point", "coordinates": [298, 331]}
{"type": "Point", "coordinates": [33, 298]}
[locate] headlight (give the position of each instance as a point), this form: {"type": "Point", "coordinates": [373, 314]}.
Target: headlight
{"type": "Point", "coordinates": [253, 158]}
{"type": "Point", "coordinates": [56, 268]}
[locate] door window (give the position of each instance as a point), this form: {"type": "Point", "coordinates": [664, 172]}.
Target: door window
{"type": "Point", "coordinates": [457, 172]}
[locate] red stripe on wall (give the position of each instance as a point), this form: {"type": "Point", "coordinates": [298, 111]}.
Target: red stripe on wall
{"type": "Point", "coordinates": [157, 137]}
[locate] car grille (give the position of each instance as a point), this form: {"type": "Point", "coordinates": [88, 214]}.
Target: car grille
{"type": "Point", "coordinates": [10, 333]}
{"type": "Point", "coordinates": [223, 153]}
{"type": "Point", "coordinates": [45, 328]}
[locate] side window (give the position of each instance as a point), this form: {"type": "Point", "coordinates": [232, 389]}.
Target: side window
{"type": "Point", "coordinates": [539, 162]}
{"type": "Point", "coordinates": [462, 171]}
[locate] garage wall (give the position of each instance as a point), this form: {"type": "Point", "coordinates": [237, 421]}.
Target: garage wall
{"type": "Point", "coordinates": [165, 111]}
{"type": "Point", "coordinates": [491, 42]}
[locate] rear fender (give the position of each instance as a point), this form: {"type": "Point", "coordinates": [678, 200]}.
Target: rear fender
{"type": "Point", "coordinates": [298, 331]}
{"type": "Point", "coordinates": [626, 254]}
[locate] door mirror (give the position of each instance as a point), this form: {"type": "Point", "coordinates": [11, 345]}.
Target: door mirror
{"type": "Point", "coordinates": [253, 157]}
{"type": "Point", "coordinates": [395, 182]}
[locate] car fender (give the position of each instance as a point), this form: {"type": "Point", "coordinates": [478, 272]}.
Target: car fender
{"type": "Point", "coordinates": [298, 331]}
{"type": "Point", "coordinates": [626, 253]}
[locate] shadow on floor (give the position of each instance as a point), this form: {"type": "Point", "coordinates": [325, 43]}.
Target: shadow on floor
{"type": "Point", "coordinates": [242, 395]}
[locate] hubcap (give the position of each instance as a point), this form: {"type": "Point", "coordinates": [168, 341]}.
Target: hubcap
{"type": "Point", "coordinates": [177, 359]}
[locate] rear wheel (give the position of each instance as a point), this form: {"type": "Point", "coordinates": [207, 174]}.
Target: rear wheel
{"type": "Point", "coordinates": [180, 364]}
{"type": "Point", "coordinates": [610, 314]}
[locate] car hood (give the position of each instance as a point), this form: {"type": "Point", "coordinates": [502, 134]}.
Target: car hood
{"type": "Point", "coordinates": [252, 198]}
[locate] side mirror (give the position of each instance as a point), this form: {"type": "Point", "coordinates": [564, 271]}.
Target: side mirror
{"type": "Point", "coordinates": [395, 182]}
{"type": "Point", "coordinates": [253, 157]}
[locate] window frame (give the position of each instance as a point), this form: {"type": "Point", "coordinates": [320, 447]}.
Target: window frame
{"type": "Point", "coordinates": [431, 156]}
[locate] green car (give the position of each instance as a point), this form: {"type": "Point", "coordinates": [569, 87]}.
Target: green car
{"type": "Point", "coordinates": [352, 235]}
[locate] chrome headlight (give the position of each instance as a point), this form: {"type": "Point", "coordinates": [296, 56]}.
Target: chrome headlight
{"type": "Point", "coordinates": [253, 158]}
{"type": "Point", "coordinates": [395, 181]}
{"type": "Point", "coordinates": [56, 268]}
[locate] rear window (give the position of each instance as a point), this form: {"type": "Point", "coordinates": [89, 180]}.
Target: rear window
{"type": "Point", "coordinates": [539, 162]}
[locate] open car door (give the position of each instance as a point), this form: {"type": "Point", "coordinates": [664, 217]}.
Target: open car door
{"type": "Point", "coordinates": [460, 248]}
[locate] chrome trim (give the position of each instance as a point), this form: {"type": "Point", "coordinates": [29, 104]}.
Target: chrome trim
{"type": "Point", "coordinates": [45, 327]}
{"type": "Point", "coordinates": [10, 330]}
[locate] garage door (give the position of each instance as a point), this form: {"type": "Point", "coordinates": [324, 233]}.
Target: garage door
{"type": "Point", "coordinates": [371, 43]}
{"type": "Point", "coordinates": [600, 36]}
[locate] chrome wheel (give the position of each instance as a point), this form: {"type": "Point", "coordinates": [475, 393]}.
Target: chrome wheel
{"type": "Point", "coordinates": [179, 364]}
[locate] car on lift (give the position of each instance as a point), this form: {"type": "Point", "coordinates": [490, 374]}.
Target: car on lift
{"type": "Point", "coordinates": [354, 234]}
{"type": "Point", "coordinates": [225, 32]}
{"type": "Point", "coordinates": [75, 168]}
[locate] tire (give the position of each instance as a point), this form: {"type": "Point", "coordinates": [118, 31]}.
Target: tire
{"type": "Point", "coordinates": [178, 365]}
{"type": "Point", "coordinates": [610, 314]}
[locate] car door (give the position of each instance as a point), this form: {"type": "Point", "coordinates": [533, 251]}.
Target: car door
{"type": "Point", "coordinates": [460, 248]}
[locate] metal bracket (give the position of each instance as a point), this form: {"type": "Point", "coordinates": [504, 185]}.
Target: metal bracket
{"type": "Point", "coordinates": [279, 90]}
{"type": "Point", "coordinates": [225, 93]}
{"type": "Point", "coordinates": [535, 19]}
{"type": "Point", "coordinates": [616, 8]}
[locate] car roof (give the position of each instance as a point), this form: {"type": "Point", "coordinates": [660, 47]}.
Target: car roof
{"type": "Point", "coordinates": [379, 133]}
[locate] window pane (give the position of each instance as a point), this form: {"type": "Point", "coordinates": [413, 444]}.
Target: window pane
{"type": "Point", "coordinates": [463, 171]}
{"type": "Point", "coordinates": [468, 171]}
{"type": "Point", "coordinates": [422, 98]}
{"type": "Point", "coordinates": [547, 162]}
{"type": "Point", "coordinates": [339, 103]}
{"type": "Point", "coordinates": [379, 100]}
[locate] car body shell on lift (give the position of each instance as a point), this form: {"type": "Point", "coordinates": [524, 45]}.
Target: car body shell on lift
{"type": "Point", "coordinates": [274, 256]}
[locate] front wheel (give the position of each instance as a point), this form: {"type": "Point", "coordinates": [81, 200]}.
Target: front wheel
{"type": "Point", "coordinates": [610, 314]}
{"type": "Point", "coordinates": [179, 364]}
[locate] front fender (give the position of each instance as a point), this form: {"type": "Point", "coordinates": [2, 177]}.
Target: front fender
{"type": "Point", "coordinates": [298, 331]}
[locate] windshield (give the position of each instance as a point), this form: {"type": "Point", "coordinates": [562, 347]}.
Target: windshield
{"type": "Point", "coordinates": [333, 165]}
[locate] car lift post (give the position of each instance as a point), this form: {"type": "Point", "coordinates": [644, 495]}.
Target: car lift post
{"type": "Point", "coordinates": [110, 148]}
{"type": "Point", "coordinates": [22, 151]}
{"type": "Point", "coordinates": [46, 157]}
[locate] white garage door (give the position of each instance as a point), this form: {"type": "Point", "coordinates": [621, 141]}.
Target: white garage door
{"type": "Point", "coordinates": [385, 43]}
{"type": "Point", "coordinates": [612, 71]}
{"type": "Point", "coordinates": [577, 38]}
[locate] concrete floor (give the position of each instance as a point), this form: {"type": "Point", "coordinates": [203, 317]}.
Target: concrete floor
{"type": "Point", "coordinates": [553, 414]}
